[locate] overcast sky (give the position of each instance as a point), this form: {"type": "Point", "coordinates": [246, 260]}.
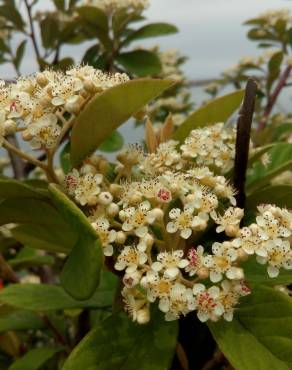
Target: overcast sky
{"type": "Point", "coordinates": [211, 32]}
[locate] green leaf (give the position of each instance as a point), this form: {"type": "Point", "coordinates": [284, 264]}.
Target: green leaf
{"type": "Point", "coordinates": [44, 297]}
{"type": "Point", "coordinates": [51, 239]}
{"type": "Point", "coordinates": [259, 337]}
{"type": "Point", "coordinates": [274, 68]}
{"type": "Point", "coordinates": [107, 111]}
{"type": "Point", "coordinates": [31, 211]}
{"type": "Point", "coordinates": [217, 110]}
{"type": "Point", "coordinates": [151, 30]}
{"type": "Point", "coordinates": [60, 4]}
{"type": "Point", "coordinates": [257, 153]}
{"type": "Point", "coordinates": [10, 188]}
{"type": "Point", "coordinates": [113, 143]}
{"type": "Point", "coordinates": [65, 158]}
{"type": "Point", "coordinates": [91, 55]}
{"type": "Point", "coordinates": [85, 259]}
{"type": "Point", "coordinates": [19, 53]}
{"type": "Point", "coordinates": [81, 273]}
{"type": "Point", "coordinates": [256, 273]}
{"type": "Point", "coordinates": [121, 18]}
{"type": "Point", "coordinates": [281, 195]}
{"type": "Point", "coordinates": [28, 257]}
{"type": "Point", "coordinates": [130, 344]}
{"type": "Point", "coordinates": [34, 359]}
{"type": "Point", "coordinates": [280, 160]}
{"type": "Point", "coordinates": [20, 320]}
{"type": "Point", "coordinates": [71, 213]}
{"type": "Point", "coordinates": [281, 130]}
{"type": "Point", "coordinates": [12, 14]}
{"type": "Point", "coordinates": [140, 62]}
{"type": "Point", "coordinates": [49, 31]}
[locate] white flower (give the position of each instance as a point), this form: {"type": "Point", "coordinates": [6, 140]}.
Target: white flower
{"type": "Point", "coordinates": [221, 262]}
{"type": "Point", "coordinates": [228, 298]}
{"type": "Point", "coordinates": [229, 221]}
{"type": "Point", "coordinates": [157, 286]}
{"type": "Point", "coordinates": [45, 132]}
{"type": "Point", "coordinates": [249, 240]}
{"type": "Point", "coordinates": [136, 305]}
{"type": "Point", "coordinates": [130, 259]}
{"type": "Point", "coordinates": [106, 236]}
{"type": "Point", "coordinates": [206, 302]}
{"type": "Point", "coordinates": [88, 188]}
{"type": "Point", "coordinates": [182, 221]}
{"type": "Point", "coordinates": [279, 254]}
{"type": "Point", "coordinates": [170, 263]}
{"type": "Point", "coordinates": [270, 227]}
{"type": "Point", "coordinates": [138, 218]}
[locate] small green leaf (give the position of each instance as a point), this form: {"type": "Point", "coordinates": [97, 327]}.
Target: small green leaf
{"type": "Point", "coordinates": [19, 53]}
{"type": "Point", "coordinates": [12, 14]}
{"type": "Point", "coordinates": [217, 110]}
{"type": "Point", "coordinates": [274, 68]}
{"type": "Point", "coordinates": [28, 257]}
{"type": "Point", "coordinates": [81, 273]}
{"type": "Point", "coordinates": [113, 143]}
{"type": "Point", "coordinates": [151, 30]}
{"type": "Point", "coordinates": [44, 297]}
{"type": "Point", "coordinates": [281, 130]}
{"type": "Point", "coordinates": [20, 320]}
{"type": "Point", "coordinates": [10, 188]}
{"type": "Point", "coordinates": [91, 55]}
{"type": "Point", "coordinates": [60, 4]}
{"type": "Point", "coordinates": [150, 346]}
{"type": "Point", "coordinates": [281, 195]}
{"type": "Point", "coordinates": [280, 160]}
{"type": "Point", "coordinates": [107, 111]}
{"type": "Point", "coordinates": [34, 359]}
{"type": "Point", "coordinates": [259, 337]}
{"type": "Point", "coordinates": [49, 31]}
{"type": "Point", "coordinates": [140, 63]}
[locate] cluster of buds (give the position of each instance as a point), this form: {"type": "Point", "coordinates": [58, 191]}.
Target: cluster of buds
{"type": "Point", "coordinates": [113, 5]}
{"type": "Point", "coordinates": [151, 218]}
{"type": "Point", "coordinates": [270, 18]}
{"type": "Point", "coordinates": [39, 105]}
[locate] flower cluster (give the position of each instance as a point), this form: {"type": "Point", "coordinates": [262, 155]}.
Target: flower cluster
{"type": "Point", "coordinates": [151, 218]}
{"type": "Point", "coordinates": [112, 5]}
{"type": "Point", "coordinates": [272, 17]}
{"type": "Point", "coordinates": [37, 105]}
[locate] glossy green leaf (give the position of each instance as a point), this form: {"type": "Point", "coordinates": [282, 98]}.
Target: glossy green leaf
{"type": "Point", "coordinates": [281, 130]}
{"type": "Point", "coordinates": [113, 143]}
{"type": "Point", "coordinates": [281, 195]}
{"type": "Point", "coordinates": [150, 346]}
{"type": "Point", "coordinates": [43, 297]}
{"type": "Point", "coordinates": [52, 239]}
{"type": "Point", "coordinates": [71, 213]}
{"type": "Point", "coordinates": [91, 55]}
{"type": "Point", "coordinates": [20, 320]}
{"type": "Point", "coordinates": [49, 31]}
{"type": "Point", "coordinates": [256, 273]}
{"type": "Point", "coordinates": [34, 359]}
{"type": "Point", "coordinates": [140, 63]}
{"type": "Point", "coordinates": [259, 337]}
{"type": "Point", "coordinates": [12, 14]}
{"type": "Point", "coordinates": [30, 210]}
{"type": "Point", "coordinates": [107, 111]}
{"type": "Point", "coordinates": [10, 188]}
{"type": "Point", "coordinates": [274, 68]}
{"type": "Point", "coordinates": [217, 110]}
{"type": "Point", "coordinates": [122, 18]}
{"type": "Point", "coordinates": [151, 30]}
{"type": "Point", "coordinates": [280, 160]}
{"type": "Point", "coordinates": [81, 273]}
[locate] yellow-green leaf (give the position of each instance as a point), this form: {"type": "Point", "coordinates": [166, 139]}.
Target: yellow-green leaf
{"type": "Point", "coordinates": [107, 111]}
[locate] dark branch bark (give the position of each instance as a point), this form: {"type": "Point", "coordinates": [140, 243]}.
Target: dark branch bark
{"type": "Point", "coordinates": [243, 140]}
{"type": "Point", "coordinates": [16, 162]}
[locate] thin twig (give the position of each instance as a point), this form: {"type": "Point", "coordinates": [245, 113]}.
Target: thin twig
{"type": "Point", "coordinates": [58, 336]}
{"type": "Point", "coordinates": [215, 362]}
{"type": "Point", "coordinates": [243, 141]}
{"type": "Point", "coordinates": [273, 97]}
{"type": "Point", "coordinates": [32, 33]}
{"type": "Point", "coordinates": [6, 272]}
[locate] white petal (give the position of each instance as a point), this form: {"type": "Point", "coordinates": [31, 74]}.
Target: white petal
{"type": "Point", "coordinates": [198, 288]}
{"type": "Point", "coordinates": [141, 231]}
{"type": "Point", "coordinates": [183, 263]}
{"type": "Point", "coordinates": [156, 266]}
{"type": "Point", "coordinates": [171, 272]}
{"type": "Point", "coordinates": [215, 276]}
{"type": "Point", "coordinates": [186, 233]}
{"type": "Point", "coordinates": [171, 227]}
{"type": "Point", "coordinates": [273, 271]}
{"type": "Point", "coordinates": [203, 316]}
{"type": "Point", "coordinates": [164, 305]}
{"type": "Point", "coordinates": [108, 250]}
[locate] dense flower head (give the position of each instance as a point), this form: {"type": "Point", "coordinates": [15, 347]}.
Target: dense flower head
{"type": "Point", "coordinates": [39, 105]}
{"type": "Point", "coordinates": [151, 217]}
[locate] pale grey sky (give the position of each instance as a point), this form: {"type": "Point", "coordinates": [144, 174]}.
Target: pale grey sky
{"type": "Point", "coordinates": [211, 32]}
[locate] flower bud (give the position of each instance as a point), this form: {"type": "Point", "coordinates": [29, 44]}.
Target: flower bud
{"type": "Point", "coordinates": [115, 189]}
{"type": "Point", "coordinates": [120, 237]}
{"type": "Point", "coordinates": [87, 169]}
{"type": "Point", "coordinates": [242, 255]}
{"type": "Point", "coordinates": [105, 198]}
{"type": "Point", "coordinates": [26, 136]}
{"type": "Point", "coordinates": [231, 230]}
{"type": "Point", "coordinates": [143, 316]}
{"type": "Point", "coordinates": [157, 213]}
{"type": "Point", "coordinates": [112, 209]}
{"type": "Point", "coordinates": [42, 79]}
{"type": "Point", "coordinates": [203, 273]}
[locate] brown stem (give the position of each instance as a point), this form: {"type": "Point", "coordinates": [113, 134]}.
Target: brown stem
{"type": "Point", "coordinates": [215, 362]}
{"type": "Point", "coordinates": [58, 336]}
{"type": "Point", "coordinates": [32, 33]}
{"type": "Point", "coordinates": [182, 357]}
{"type": "Point", "coordinates": [6, 272]}
{"type": "Point", "coordinates": [273, 97]}
{"type": "Point", "coordinates": [16, 162]}
{"type": "Point", "coordinates": [243, 141]}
